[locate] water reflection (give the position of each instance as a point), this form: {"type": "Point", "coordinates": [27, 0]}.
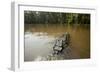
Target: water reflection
{"type": "Point", "coordinates": [37, 45]}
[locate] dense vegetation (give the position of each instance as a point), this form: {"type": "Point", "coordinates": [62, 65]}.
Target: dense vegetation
{"type": "Point", "coordinates": [46, 18]}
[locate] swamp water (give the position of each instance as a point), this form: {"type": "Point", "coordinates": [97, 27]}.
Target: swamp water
{"type": "Point", "coordinates": [39, 42]}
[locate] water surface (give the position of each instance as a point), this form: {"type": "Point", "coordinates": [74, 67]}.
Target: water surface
{"type": "Point", "coordinates": [39, 42]}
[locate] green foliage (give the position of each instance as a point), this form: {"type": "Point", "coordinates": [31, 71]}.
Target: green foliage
{"type": "Point", "coordinates": [46, 18]}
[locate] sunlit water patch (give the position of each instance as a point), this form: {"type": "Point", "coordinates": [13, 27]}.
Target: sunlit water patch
{"type": "Point", "coordinates": [37, 46]}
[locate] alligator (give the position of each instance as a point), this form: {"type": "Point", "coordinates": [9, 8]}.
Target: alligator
{"type": "Point", "coordinates": [61, 43]}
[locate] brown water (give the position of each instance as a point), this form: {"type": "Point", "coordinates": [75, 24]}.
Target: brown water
{"type": "Point", "coordinates": [39, 41]}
